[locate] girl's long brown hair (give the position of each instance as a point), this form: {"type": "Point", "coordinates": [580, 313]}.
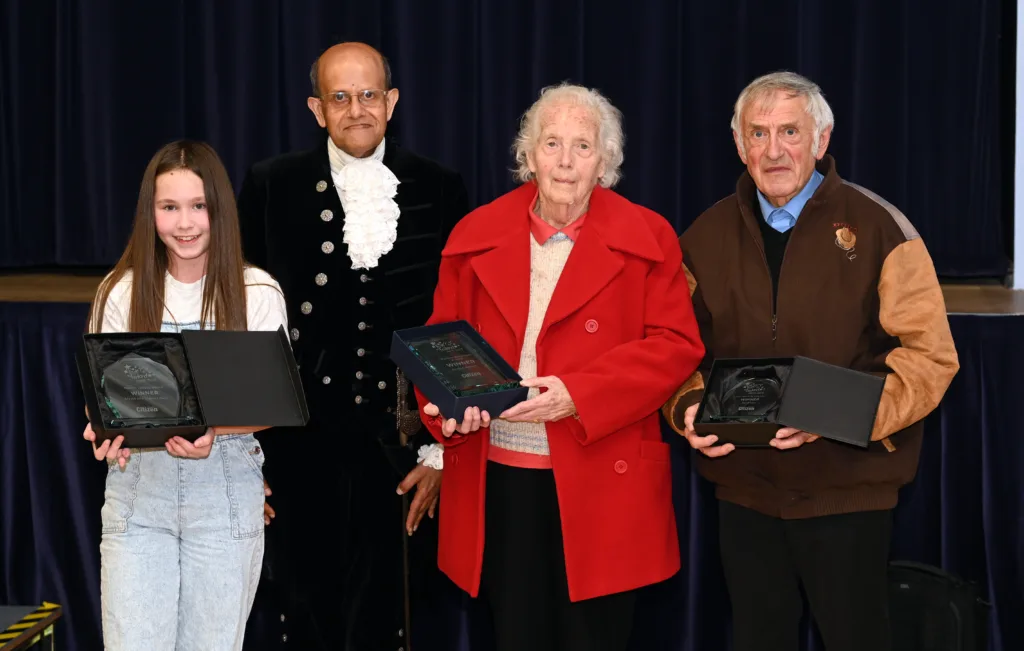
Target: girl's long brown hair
{"type": "Point", "coordinates": [224, 295]}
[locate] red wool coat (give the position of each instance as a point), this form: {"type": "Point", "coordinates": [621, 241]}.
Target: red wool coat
{"type": "Point", "coordinates": [621, 334]}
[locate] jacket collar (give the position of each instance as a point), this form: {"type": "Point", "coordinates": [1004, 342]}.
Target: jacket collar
{"type": "Point", "coordinates": [746, 196]}
{"type": "Point", "coordinates": [323, 160]}
{"type": "Point", "coordinates": [617, 222]}
{"type": "Point", "coordinates": [746, 191]}
{"type": "Point", "coordinates": [498, 237]}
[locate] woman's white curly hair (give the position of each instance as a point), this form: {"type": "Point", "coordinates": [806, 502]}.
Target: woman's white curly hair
{"type": "Point", "coordinates": [611, 140]}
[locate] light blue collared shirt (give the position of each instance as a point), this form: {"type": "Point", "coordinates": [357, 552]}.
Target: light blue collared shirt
{"type": "Point", "coordinates": [784, 218]}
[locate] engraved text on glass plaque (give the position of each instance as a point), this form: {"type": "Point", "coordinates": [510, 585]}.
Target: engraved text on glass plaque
{"type": "Point", "coordinates": [139, 390]}
{"type": "Point", "coordinates": [750, 398]}
{"type": "Point", "coordinates": [461, 365]}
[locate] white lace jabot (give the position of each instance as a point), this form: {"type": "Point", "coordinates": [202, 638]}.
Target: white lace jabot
{"type": "Point", "coordinates": [367, 191]}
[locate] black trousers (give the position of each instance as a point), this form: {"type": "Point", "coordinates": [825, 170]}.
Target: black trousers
{"type": "Point", "coordinates": [841, 562]}
{"type": "Point", "coordinates": [339, 555]}
{"type": "Point", "coordinates": [524, 581]}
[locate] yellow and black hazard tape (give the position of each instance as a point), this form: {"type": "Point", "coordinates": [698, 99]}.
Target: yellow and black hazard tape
{"type": "Point", "coordinates": [30, 625]}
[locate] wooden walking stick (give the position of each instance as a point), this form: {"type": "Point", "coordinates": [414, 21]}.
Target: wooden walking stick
{"type": "Point", "coordinates": [408, 421]}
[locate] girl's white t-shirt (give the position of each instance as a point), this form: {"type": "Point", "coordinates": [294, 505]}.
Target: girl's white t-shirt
{"type": "Point", "coordinates": [183, 304]}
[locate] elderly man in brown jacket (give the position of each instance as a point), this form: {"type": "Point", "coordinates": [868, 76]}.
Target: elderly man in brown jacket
{"type": "Point", "coordinates": [800, 262]}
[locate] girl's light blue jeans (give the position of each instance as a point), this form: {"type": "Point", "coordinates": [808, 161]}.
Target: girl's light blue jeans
{"type": "Point", "coordinates": [182, 548]}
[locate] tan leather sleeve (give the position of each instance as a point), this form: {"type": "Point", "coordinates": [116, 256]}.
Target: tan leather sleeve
{"type": "Point", "coordinates": [690, 393]}
{"type": "Point", "coordinates": [912, 309]}
{"type": "Point", "coordinates": [691, 281]}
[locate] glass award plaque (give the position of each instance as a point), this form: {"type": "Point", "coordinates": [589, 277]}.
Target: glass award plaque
{"type": "Point", "coordinates": [141, 391]}
{"type": "Point", "coordinates": [753, 396]}
{"type": "Point", "coordinates": [460, 364]}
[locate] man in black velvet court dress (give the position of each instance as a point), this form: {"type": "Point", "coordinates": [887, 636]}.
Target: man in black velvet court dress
{"type": "Point", "coordinates": [353, 231]}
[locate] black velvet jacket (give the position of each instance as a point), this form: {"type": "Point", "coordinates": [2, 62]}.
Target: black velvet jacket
{"type": "Point", "coordinates": [341, 319]}
{"type": "Point", "coordinates": [334, 555]}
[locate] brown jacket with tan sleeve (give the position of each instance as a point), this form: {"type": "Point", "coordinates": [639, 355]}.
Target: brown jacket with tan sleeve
{"type": "Point", "coordinates": [857, 289]}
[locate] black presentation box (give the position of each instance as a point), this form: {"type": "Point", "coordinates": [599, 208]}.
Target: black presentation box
{"type": "Point", "coordinates": [836, 403]}
{"type": "Point", "coordinates": [223, 378]}
{"type": "Point", "coordinates": [451, 404]}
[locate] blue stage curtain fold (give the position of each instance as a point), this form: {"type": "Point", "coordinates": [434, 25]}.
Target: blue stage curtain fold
{"type": "Point", "coordinates": [51, 488]}
{"type": "Point", "coordinates": [962, 513]}
{"type": "Point", "coordinates": [92, 89]}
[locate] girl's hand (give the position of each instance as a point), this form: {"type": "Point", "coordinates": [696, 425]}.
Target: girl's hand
{"type": "Point", "coordinates": [109, 449]}
{"type": "Point", "coordinates": [179, 447]}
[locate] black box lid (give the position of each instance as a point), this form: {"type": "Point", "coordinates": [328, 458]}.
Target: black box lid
{"type": "Point", "coordinates": [246, 380]}
{"type": "Point", "coordinates": [835, 402]}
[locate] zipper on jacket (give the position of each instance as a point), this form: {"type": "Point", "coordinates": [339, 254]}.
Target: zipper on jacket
{"type": "Point", "coordinates": [782, 265]}
{"type": "Point", "coordinates": [771, 288]}
{"type": "Point", "coordinates": [777, 282]}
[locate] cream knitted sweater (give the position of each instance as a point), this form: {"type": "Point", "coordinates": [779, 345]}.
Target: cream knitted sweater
{"type": "Point", "coordinates": [526, 444]}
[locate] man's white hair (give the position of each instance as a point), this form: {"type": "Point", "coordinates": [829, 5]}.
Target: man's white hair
{"type": "Point", "coordinates": [611, 140]}
{"type": "Point", "coordinates": [764, 88]}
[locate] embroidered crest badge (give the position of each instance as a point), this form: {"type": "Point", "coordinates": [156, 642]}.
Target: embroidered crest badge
{"type": "Point", "coordinates": [846, 239]}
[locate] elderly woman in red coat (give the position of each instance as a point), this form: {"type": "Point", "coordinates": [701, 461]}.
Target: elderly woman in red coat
{"type": "Point", "coordinates": [558, 509]}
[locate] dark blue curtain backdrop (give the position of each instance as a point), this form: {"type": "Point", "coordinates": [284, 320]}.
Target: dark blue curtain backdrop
{"type": "Point", "coordinates": [962, 513]}
{"type": "Point", "coordinates": [92, 89]}
{"type": "Point", "coordinates": [89, 90]}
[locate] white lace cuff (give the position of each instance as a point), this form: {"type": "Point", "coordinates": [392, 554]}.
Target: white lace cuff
{"type": "Point", "coordinates": [431, 456]}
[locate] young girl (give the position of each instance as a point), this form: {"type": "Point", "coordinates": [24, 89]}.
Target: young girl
{"type": "Point", "coordinates": [182, 543]}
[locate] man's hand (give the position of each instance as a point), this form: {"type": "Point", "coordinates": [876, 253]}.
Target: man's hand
{"type": "Point", "coordinates": [788, 438]}
{"type": "Point", "coordinates": [427, 483]}
{"type": "Point", "coordinates": [268, 511]}
{"type": "Point", "coordinates": [706, 444]}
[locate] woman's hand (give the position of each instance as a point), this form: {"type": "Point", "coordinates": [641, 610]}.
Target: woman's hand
{"type": "Point", "coordinates": [179, 447]}
{"type": "Point", "coordinates": [551, 405]}
{"type": "Point", "coordinates": [472, 420]}
{"type": "Point", "coordinates": [109, 449]}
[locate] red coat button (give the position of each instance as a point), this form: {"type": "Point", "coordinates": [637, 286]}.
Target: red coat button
{"type": "Point", "coordinates": [591, 326]}
{"type": "Point", "coordinates": [621, 466]}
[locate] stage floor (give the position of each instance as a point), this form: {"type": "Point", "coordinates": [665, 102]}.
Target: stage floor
{"type": "Point", "coordinates": [74, 288]}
